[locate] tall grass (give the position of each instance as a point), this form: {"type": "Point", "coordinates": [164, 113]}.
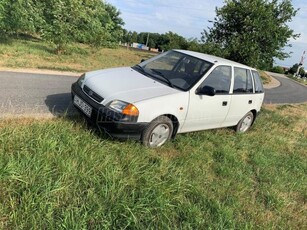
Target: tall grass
{"type": "Point", "coordinates": [58, 174]}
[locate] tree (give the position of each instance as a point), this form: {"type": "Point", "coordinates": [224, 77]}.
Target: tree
{"type": "Point", "coordinates": [113, 24]}
{"type": "Point", "coordinates": [277, 69]}
{"type": "Point", "coordinates": [294, 68]}
{"type": "Point", "coordinates": [20, 16]}
{"type": "Point", "coordinates": [142, 37]}
{"type": "Point", "coordinates": [2, 16]}
{"type": "Point", "coordinates": [61, 22]}
{"type": "Point", "coordinates": [172, 40]}
{"type": "Point", "coordinates": [134, 37]}
{"type": "Point", "coordinates": [91, 21]}
{"type": "Point", "coordinates": [252, 32]}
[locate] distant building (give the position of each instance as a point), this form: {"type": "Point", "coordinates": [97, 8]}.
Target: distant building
{"type": "Point", "coordinates": [139, 46]}
{"type": "Point", "coordinates": [154, 50]}
{"type": "Point", "coordinates": [285, 68]}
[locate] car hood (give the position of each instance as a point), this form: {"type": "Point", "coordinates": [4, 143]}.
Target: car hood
{"type": "Point", "coordinates": [125, 84]}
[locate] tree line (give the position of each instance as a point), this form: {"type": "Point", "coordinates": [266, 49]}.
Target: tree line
{"type": "Point", "coordinates": [252, 32]}
{"type": "Point", "coordinates": [163, 42]}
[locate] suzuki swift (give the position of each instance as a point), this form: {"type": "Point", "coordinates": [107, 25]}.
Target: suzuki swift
{"type": "Point", "coordinates": [175, 92]}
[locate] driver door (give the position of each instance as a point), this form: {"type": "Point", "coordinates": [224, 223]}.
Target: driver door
{"type": "Point", "coordinates": [206, 112]}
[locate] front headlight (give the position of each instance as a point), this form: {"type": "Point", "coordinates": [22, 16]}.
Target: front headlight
{"type": "Point", "coordinates": [81, 80]}
{"type": "Point", "coordinates": [124, 108]}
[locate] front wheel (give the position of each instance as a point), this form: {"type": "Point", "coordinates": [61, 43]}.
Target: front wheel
{"type": "Point", "coordinates": [157, 132]}
{"type": "Point", "coordinates": [245, 123]}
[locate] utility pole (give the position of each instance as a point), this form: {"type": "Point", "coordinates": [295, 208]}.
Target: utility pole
{"type": "Point", "coordinates": [147, 40]}
{"type": "Point", "coordinates": [300, 65]}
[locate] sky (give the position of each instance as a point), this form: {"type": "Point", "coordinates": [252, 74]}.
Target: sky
{"type": "Point", "coordinates": [189, 18]}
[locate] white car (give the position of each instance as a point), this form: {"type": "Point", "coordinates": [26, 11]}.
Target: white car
{"type": "Point", "coordinates": [175, 92]}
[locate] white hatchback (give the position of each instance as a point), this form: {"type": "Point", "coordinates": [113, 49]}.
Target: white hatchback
{"type": "Point", "coordinates": [175, 92]}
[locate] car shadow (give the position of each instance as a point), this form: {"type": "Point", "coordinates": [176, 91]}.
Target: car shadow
{"type": "Point", "coordinates": [61, 105]}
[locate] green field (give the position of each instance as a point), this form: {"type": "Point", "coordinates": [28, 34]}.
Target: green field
{"type": "Point", "coordinates": [59, 174]}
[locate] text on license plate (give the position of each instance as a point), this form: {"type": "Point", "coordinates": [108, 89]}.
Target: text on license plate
{"type": "Point", "coordinates": [83, 106]}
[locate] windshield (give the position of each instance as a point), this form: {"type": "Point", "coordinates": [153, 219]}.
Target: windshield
{"type": "Point", "coordinates": [175, 69]}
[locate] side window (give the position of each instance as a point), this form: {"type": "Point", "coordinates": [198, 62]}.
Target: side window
{"type": "Point", "coordinates": [258, 83]}
{"type": "Point", "coordinates": [242, 81]}
{"type": "Point", "coordinates": [219, 79]}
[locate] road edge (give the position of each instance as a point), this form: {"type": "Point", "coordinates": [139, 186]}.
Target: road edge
{"type": "Point", "coordinates": [274, 83]}
{"type": "Point", "coordinates": [40, 71]}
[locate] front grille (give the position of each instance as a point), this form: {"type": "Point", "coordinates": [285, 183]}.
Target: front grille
{"type": "Point", "coordinates": [92, 94]}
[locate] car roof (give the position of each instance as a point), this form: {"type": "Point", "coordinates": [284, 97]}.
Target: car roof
{"type": "Point", "coordinates": [213, 59]}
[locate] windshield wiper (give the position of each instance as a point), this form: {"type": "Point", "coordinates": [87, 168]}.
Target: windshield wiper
{"type": "Point", "coordinates": [163, 77]}
{"type": "Point", "coordinates": [139, 67]}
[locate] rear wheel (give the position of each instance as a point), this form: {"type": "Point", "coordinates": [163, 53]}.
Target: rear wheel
{"type": "Point", "coordinates": [245, 123]}
{"type": "Point", "coordinates": [157, 132]}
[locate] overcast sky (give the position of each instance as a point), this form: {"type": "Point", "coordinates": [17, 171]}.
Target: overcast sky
{"type": "Point", "coordinates": [188, 18]}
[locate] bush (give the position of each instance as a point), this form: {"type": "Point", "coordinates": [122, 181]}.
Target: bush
{"type": "Point", "coordinates": [277, 69]}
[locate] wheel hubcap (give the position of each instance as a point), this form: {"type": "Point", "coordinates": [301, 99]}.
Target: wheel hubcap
{"type": "Point", "coordinates": [246, 123]}
{"type": "Point", "coordinates": [159, 135]}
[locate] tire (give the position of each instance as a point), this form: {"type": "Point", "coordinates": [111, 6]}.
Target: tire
{"type": "Point", "coordinates": [157, 132]}
{"type": "Point", "coordinates": [245, 123]}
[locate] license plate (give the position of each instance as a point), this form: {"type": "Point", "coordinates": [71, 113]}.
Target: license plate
{"type": "Point", "coordinates": [87, 110]}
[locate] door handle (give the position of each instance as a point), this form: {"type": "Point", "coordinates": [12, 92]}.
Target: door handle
{"type": "Point", "coordinates": [250, 101]}
{"type": "Point", "coordinates": [224, 103]}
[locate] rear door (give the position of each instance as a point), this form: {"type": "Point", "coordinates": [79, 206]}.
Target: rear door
{"type": "Point", "coordinates": [243, 98]}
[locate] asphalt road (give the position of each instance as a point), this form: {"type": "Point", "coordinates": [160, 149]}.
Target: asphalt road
{"type": "Point", "coordinates": [44, 94]}
{"type": "Point", "coordinates": [25, 93]}
{"type": "Point", "coordinates": [287, 92]}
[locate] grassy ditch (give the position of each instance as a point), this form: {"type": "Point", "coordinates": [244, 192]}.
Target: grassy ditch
{"type": "Point", "coordinates": [58, 174]}
{"type": "Point", "coordinates": [300, 80]}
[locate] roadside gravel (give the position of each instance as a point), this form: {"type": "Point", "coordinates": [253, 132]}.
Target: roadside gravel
{"type": "Point", "coordinates": [40, 71]}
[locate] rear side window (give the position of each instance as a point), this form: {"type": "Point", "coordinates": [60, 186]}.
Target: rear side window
{"type": "Point", "coordinates": [219, 79]}
{"type": "Point", "coordinates": [242, 81]}
{"type": "Point", "coordinates": [258, 83]}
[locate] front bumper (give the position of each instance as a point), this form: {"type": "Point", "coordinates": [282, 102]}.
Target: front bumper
{"type": "Point", "coordinates": [114, 123]}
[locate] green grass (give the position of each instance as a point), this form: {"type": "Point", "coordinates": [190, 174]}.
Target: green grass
{"type": "Point", "coordinates": [58, 174]}
{"type": "Point", "coordinates": [265, 77]}
{"type": "Point", "coordinates": [31, 53]}
{"type": "Point", "coordinates": [300, 80]}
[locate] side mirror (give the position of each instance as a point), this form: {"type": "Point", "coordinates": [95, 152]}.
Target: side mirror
{"type": "Point", "coordinates": [206, 90]}
{"type": "Point", "coordinates": [142, 60]}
